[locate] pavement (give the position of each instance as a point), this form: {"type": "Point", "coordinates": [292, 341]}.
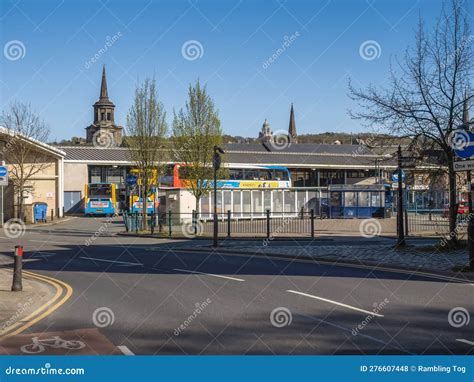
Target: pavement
{"type": "Point", "coordinates": [16, 308]}
{"type": "Point", "coordinates": [151, 296]}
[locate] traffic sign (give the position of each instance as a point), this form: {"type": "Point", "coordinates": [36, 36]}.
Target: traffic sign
{"type": "Point", "coordinates": [395, 176]}
{"type": "Point", "coordinates": [3, 176]}
{"type": "Point", "coordinates": [131, 180]}
{"type": "Point", "coordinates": [462, 142]}
{"type": "Point", "coordinates": [464, 165]}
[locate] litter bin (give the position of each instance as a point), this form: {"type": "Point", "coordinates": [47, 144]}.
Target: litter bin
{"type": "Point", "coordinates": [40, 211]}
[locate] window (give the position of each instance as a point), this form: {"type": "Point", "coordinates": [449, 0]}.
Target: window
{"type": "Point", "coordinates": [114, 175]}
{"type": "Point", "coordinates": [95, 175]}
{"type": "Point", "coordinates": [109, 116]}
{"type": "Point", "coordinates": [236, 174]}
{"type": "Point", "coordinates": [281, 175]}
{"type": "Point", "coordinates": [364, 199]}
{"type": "Point", "coordinates": [350, 199]}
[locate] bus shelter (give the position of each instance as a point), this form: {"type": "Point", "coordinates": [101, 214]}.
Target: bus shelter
{"type": "Point", "coordinates": [356, 201]}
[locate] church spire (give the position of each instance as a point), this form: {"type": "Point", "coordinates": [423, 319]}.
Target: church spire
{"type": "Point", "coordinates": [104, 95]}
{"type": "Point", "coordinates": [292, 126]}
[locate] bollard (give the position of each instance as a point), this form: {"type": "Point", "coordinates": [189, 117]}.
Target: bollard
{"type": "Point", "coordinates": [193, 221]}
{"type": "Point", "coordinates": [406, 223]}
{"type": "Point", "coordinates": [43, 217]}
{"type": "Point", "coordinates": [228, 223]}
{"type": "Point", "coordinates": [152, 222]}
{"type": "Point", "coordinates": [52, 214]}
{"type": "Point", "coordinates": [17, 285]}
{"type": "Point", "coordinates": [312, 223]}
{"type": "Point", "coordinates": [268, 224]}
{"type": "Point", "coordinates": [136, 222]}
{"type": "Point", "coordinates": [169, 223]}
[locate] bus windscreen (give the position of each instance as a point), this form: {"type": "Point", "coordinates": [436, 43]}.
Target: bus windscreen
{"type": "Point", "coordinates": [100, 190]}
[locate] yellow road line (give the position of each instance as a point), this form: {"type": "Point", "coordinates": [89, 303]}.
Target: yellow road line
{"type": "Point", "coordinates": [37, 316]}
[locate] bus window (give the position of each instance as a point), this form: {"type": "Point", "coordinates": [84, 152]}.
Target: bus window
{"type": "Point", "coordinates": [250, 174]}
{"type": "Point", "coordinates": [100, 190]}
{"type": "Point", "coordinates": [281, 175]}
{"type": "Point", "coordinates": [236, 174]}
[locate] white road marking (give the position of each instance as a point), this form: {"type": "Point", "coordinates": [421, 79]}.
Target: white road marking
{"type": "Point", "coordinates": [52, 242]}
{"type": "Point", "coordinates": [336, 303]}
{"type": "Point", "coordinates": [209, 274]}
{"type": "Point", "coordinates": [125, 350]}
{"type": "Point", "coordinates": [465, 341]}
{"type": "Point", "coordinates": [109, 261]}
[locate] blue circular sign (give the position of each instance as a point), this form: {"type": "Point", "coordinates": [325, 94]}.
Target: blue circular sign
{"type": "Point", "coordinates": [131, 180]}
{"type": "Point", "coordinates": [3, 171]}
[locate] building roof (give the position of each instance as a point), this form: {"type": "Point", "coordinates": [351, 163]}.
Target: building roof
{"type": "Point", "coordinates": [296, 155]}
{"type": "Point", "coordinates": [44, 146]}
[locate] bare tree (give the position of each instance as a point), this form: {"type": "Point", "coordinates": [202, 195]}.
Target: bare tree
{"type": "Point", "coordinates": [24, 130]}
{"type": "Point", "coordinates": [146, 130]}
{"type": "Point", "coordinates": [196, 130]}
{"type": "Point", "coordinates": [424, 98]}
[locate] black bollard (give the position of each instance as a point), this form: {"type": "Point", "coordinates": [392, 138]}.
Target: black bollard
{"type": "Point", "coordinates": [17, 285]}
{"type": "Point", "coordinates": [470, 241]}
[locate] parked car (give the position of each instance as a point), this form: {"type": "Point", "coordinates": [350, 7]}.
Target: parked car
{"type": "Point", "coordinates": [462, 209]}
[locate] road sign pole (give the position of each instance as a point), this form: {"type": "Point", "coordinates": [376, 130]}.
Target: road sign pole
{"type": "Point", "coordinates": [2, 216]}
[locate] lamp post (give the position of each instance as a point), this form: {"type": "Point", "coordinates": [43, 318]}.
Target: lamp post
{"type": "Point", "coordinates": [216, 164]}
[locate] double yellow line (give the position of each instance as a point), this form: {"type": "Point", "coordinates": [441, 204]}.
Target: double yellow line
{"type": "Point", "coordinates": [62, 294]}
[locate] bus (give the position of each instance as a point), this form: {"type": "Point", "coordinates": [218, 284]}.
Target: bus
{"type": "Point", "coordinates": [243, 176]}
{"type": "Point", "coordinates": [100, 199]}
{"type": "Point", "coordinates": [136, 203]}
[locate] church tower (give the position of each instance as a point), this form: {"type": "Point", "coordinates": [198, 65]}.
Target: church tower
{"type": "Point", "coordinates": [292, 127]}
{"type": "Point", "coordinates": [104, 129]}
{"type": "Point", "coordinates": [265, 134]}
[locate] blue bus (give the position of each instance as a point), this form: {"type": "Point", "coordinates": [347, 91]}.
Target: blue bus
{"type": "Point", "coordinates": [100, 199]}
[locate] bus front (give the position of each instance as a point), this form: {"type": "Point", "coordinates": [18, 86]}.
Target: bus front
{"type": "Point", "coordinates": [100, 199]}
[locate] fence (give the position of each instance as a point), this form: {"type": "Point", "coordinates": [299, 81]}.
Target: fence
{"type": "Point", "coordinates": [269, 225]}
{"type": "Point", "coordinates": [434, 223]}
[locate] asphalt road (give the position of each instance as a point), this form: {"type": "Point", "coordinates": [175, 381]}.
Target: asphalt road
{"type": "Point", "coordinates": [151, 296]}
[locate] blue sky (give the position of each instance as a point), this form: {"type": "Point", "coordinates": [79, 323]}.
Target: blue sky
{"type": "Point", "coordinates": [58, 39]}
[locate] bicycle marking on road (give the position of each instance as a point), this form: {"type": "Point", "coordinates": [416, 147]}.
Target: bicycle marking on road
{"type": "Point", "coordinates": [465, 341]}
{"type": "Point", "coordinates": [125, 350]}
{"type": "Point", "coordinates": [110, 261]}
{"type": "Point", "coordinates": [209, 274]}
{"type": "Point", "coordinates": [335, 303]}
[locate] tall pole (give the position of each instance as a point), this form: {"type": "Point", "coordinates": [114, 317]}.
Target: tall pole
{"type": "Point", "coordinates": [400, 228]}
{"type": "Point", "coordinates": [215, 243]}
{"type": "Point", "coordinates": [469, 195]}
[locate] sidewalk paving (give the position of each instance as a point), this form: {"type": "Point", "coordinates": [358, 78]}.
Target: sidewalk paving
{"type": "Point", "coordinates": [418, 256]}
{"type": "Point", "coordinates": [16, 306]}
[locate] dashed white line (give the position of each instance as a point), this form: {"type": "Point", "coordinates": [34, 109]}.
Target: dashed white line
{"type": "Point", "coordinates": [209, 274]}
{"type": "Point", "coordinates": [465, 341]}
{"type": "Point", "coordinates": [125, 350]}
{"type": "Point", "coordinates": [335, 303]}
{"type": "Point", "coordinates": [109, 261]}
{"type": "Point", "coordinates": [51, 242]}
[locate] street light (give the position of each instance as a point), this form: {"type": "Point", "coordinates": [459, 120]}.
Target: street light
{"type": "Point", "coordinates": [216, 165]}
